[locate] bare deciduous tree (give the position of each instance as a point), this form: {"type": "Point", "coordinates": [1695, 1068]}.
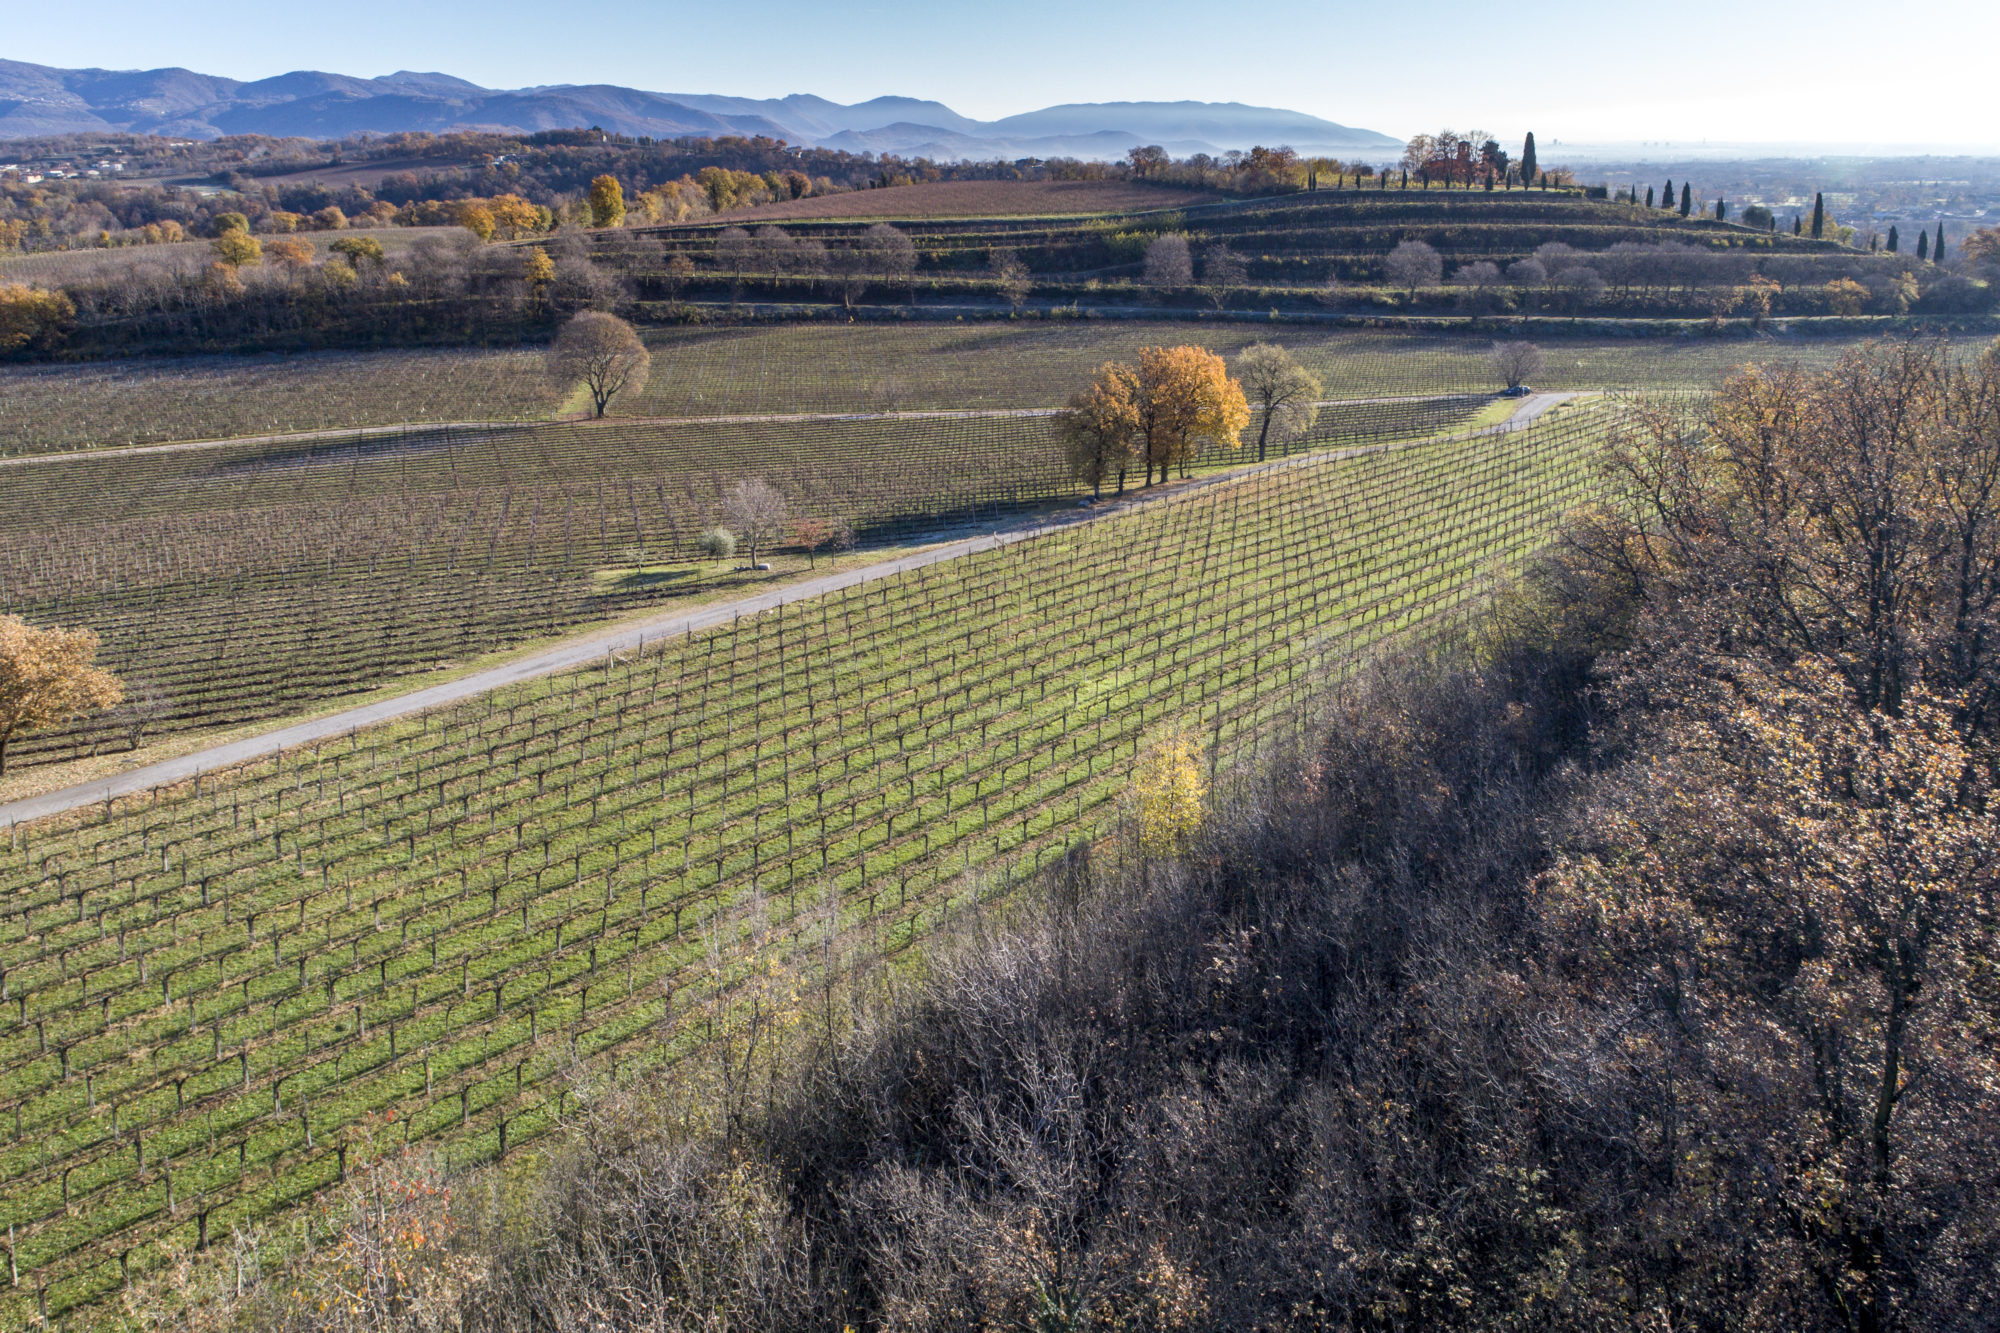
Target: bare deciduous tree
{"type": "Point", "coordinates": [1010, 275]}
{"type": "Point", "coordinates": [814, 535]}
{"type": "Point", "coordinates": [734, 251]}
{"type": "Point", "coordinates": [1222, 270]}
{"type": "Point", "coordinates": [1169, 262]}
{"type": "Point", "coordinates": [774, 251]}
{"type": "Point", "coordinates": [1581, 286]}
{"type": "Point", "coordinates": [603, 353]}
{"type": "Point", "coordinates": [890, 253]}
{"type": "Point", "coordinates": [1413, 264]}
{"type": "Point", "coordinates": [757, 512]}
{"type": "Point", "coordinates": [145, 707]}
{"type": "Point", "coordinates": [1517, 362]}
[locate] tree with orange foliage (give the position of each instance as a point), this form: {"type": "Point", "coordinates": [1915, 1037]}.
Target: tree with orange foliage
{"type": "Point", "coordinates": [47, 677]}
{"type": "Point", "coordinates": [294, 255]}
{"type": "Point", "coordinates": [1099, 427]}
{"type": "Point", "coordinates": [1184, 397]}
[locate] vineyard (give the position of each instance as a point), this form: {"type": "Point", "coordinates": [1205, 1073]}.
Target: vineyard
{"type": "Point", "coordinates": [1292, 241]}
{"type": "Point", "coordinates": [766, 369]}
{"type": "Point", "coordinates": [872, 367]}
{"type": "Point", "coordinates": [252, 581]}
{"type": "Point", "coordinates": [218, 1000]}
{"type": "Point", "coordinates": [93, 404]}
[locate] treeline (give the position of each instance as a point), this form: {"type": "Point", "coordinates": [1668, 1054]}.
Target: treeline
{"type": "Point", "coordinates": [668, 180]}
{"type": "Point", "coordinates": [301, 291]}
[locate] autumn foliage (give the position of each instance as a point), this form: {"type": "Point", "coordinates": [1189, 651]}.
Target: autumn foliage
{"type": "Point", "coordinates": [1159, 411]}
{"type": "Point", "coordinates": [47, 677]}
{"type": "Point", "coordinates": [33, 317]}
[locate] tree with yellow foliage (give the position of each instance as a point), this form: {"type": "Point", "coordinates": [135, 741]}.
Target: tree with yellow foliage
{"type": "Point", "coordinates": [357, 250]}
{"type": "Point", "coordinates": [1845, 296]}
{"type": "Point", "coordinates": [30, 315]}
{"type": "Point", "coordinates": [607, 202]}
{"type": "Point", "coordinates": [1185, 397]}
{"type": "Point", "coordinates": [515, 216]}
{"type": "Point", "coordinates": [477, 218]}
{"type": "Point", "coordinates": [538, 273]}
{"type": "Point", "coordinates": [1169, 792]}
{"type": "Point", "coordinates": [237, 248]}
{"type": "Point", "coordinates": [47, 677]}
{"type": "Point", "coordinates": [1099, 427]}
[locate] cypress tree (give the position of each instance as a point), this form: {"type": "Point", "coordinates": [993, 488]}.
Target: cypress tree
{"type": "Point", "coordinates": [1819, 216]}
{"type": "Point", "coordinates": [1528, 159]}
{"type": "Point", "coordinates": [1667, 195]}
{"type": "Point", "coordinates": [1895, 241]}
{"type": "Point", "coordinates": [1687, 199]}
{"type": "Point", "coordinates": [1923, 245]}
{"type": "Point", "coordinates": [1721, 211]}
{"type": "Point", "coordinates": [1406, 178]}
{"type": "Point", "coordinates": [1937, 250]}
{"type": "Point", "coordinates": [1798, 225]}
{"type": "Point", "coordinates": [1649, 196]}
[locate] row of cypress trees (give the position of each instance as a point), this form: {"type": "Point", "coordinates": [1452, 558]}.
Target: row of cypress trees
{"type": "Point", "coordinates": [1925, 247]}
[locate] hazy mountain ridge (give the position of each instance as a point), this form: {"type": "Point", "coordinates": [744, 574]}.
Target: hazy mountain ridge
{"type": "Point", "coordinates": [40, 100]}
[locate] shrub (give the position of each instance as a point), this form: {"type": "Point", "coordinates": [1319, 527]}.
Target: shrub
{"type": "Point", "coordinates": [716, 544]}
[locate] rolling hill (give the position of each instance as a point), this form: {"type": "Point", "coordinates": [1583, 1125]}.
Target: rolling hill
{"type": "Point", "coordinates": [40, 100]}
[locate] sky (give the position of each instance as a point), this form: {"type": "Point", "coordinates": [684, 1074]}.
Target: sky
{"type": "Point", "coordinates": [1738, 71]}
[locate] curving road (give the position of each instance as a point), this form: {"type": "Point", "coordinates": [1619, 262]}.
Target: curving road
{"type": "Point", "coordinates": [633, 637]}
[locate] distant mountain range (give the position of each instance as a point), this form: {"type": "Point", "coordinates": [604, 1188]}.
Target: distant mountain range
{"type": "Point", "coordinates": [39, 100]}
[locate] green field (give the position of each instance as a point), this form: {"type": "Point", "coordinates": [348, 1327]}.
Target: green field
{"type": "Point", "coordinates": [221, 994]}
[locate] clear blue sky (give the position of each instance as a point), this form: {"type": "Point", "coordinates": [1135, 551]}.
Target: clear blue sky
{"type": "Point", "coordinates": [1742, 70]}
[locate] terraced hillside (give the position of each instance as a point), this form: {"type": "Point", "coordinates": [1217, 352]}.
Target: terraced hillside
{"type": "Point", "coordinates": [1650, 262]}
{"type": "Point", "coordinates": [220, 998]}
